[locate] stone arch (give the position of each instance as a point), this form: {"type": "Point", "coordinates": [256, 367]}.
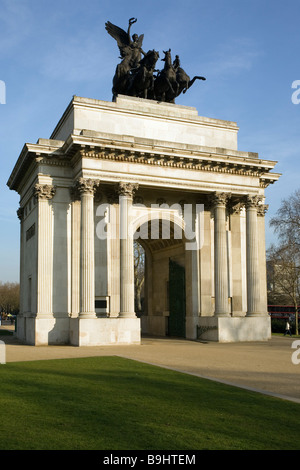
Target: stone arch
{"type": "Point", "coordinates": [159, 252]}
{"type": "Point", "coordinates": [160, 213]}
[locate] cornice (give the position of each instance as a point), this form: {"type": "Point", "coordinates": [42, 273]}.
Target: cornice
{"type": "Point", "coordinates": [200, 161]}
{"type": "Point", "coordinates": [143, 152]}
{"type": "Point", "coordinates": [34, 153]}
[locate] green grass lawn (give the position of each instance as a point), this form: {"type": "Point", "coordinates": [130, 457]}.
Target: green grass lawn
{"type": "Point", "coordinates": [110, 403]}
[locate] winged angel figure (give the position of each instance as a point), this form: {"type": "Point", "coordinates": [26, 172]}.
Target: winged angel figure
{"type": "Point", "coordinates": [130, 48]}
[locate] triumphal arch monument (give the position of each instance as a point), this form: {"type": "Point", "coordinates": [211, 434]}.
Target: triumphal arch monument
{"type": "Point", "coordinates": [141, 168]}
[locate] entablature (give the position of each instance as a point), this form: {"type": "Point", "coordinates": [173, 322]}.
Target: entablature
{"type": "Point", "coordinates": [95, 145]}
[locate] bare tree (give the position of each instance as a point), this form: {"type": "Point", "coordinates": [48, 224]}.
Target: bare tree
{"type": "Point", "coordinates": [9, 297]}
{"type": "Point", "coordinates": [285, 258]}
{"type": "Point", "coordinates": [284, 275]}
{"type": "Point", "coordinates": [287, 220]}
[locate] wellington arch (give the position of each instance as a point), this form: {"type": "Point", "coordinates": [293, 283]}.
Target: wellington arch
{"type": "Point", "coordinates": [134, 168]}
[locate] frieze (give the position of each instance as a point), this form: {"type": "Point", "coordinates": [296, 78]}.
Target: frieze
{"type": "Point", "coordinates": [185, 162]}
{"type": "Point", "coordinates": [175, 161]}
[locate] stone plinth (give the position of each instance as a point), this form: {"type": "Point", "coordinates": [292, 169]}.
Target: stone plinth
{"type": "Point", "coordinates": [79, 331]}
{"type": "Point", "coordinates": [234, 329]}
{"type": "Point", "coordinates": [145, 119]}
{"type": "Point", "coordinates": [104, 331]}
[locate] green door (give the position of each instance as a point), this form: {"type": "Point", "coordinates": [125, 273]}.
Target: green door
{"type": "Point", "coordinates": [176, 299]}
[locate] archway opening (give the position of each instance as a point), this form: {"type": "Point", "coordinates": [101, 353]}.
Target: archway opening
{"type": "Point", "coordinates": [139, 278]}
{"type": "Point", "coordinates": [160, 291]}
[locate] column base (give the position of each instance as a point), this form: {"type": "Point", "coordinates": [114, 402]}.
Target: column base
{"type": "Point", "coordinates": [43, 331]}
{"type": "Point", "coordinates": [104, 331]}
{"type": "Point", "coordinates": [87, 315]}
{"type": "Point", "coordinates": [42, 315]}
{"type": "Point", "coordinates": [79, 331]}
{"type": "Point", "coordinates": [234, 329]}
{"type": "Point", "coordinates": [256, 314]}
{"type": "Point", "coordinates": [127, 315]}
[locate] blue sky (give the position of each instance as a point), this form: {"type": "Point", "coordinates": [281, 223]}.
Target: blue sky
{"type": "Point", "coordinates": [247, 50]}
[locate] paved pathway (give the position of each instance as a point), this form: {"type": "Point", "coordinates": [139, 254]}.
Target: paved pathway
{"type": "Point", "coordinates": [261, 366]}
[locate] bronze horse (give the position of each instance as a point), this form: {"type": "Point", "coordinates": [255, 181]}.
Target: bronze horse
{"type": "Point", "coordinates": [183, 80]}
{"type": "Point", "coordinates": [165, 85]}
{"type": "Point", "coordinates": [142, 80]}
{"type": "Point", "coordinates": [122, 77]}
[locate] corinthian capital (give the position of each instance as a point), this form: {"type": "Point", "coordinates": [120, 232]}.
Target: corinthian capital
{"type": "Point", "coordinates": [236, 207]}
{"type": "Point", "coordinates": [219, 199]}
{"type": "Point", "coordinates": [262, 210]}
{"type": "Point", "coordinates": [86, 186]}
{"type": "Point", "coordinates": [44, 191]}
{"type": "Point", "coordinates": [253, 201]}
{"type": "Point", "coordinates": [127, 189]}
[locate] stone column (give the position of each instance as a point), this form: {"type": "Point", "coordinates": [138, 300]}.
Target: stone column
{"type": "Point", "coordinates": [219, 201]}
{"type": "Point", "coordinates": [253, 272]}
{"type": "Point", "coordinates": [87, 188]}
{"type": "Point", "coordinates": [20, 214]}
{"type": "Point", "coordinates": [126, 191]}
{"type": "Point", "coordinates": [44, 193]}
{"type": "Point", "coordinates": [75, 251]}
{"type": "Point", "coordinates": [238, 274]}
{"type": "Point", "coordinates": [261, 212]}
